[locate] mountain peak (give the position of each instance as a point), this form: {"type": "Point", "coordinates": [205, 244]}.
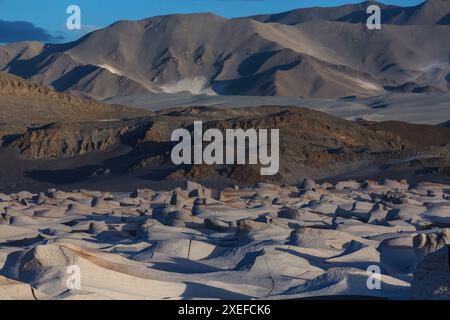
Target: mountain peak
{"type": "Point", "coordinates": [185, 16]}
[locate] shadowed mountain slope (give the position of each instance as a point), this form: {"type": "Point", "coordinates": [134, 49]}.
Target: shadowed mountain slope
{"type": "Point", "coordinates": [430, 12]}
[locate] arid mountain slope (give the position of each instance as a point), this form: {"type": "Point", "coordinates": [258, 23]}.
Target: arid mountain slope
{"type": "Point", "coordinates": [23, 103]}
{"type": "Point", "coordinates": [320, 55]}
{"type": "Point", "coordinates": [430, 12]}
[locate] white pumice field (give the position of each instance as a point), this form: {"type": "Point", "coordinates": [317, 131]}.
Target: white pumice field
{"type": "Point", "coordinates": [267, 241]}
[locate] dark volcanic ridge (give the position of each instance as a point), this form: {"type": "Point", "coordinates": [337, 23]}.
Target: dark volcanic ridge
{"type": "Point", "coordinates": [314, 52]}
{"type": "Point", "coordinates": [312, 144]}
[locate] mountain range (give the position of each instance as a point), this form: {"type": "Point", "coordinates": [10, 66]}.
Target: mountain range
{"type": "Point", "coordinates": [313, 52]}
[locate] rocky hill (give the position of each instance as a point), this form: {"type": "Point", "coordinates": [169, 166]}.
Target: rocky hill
{"type": "Point", "coordinates": [24, 104]}
{"type": "Point", "coordinates": [311, 143]}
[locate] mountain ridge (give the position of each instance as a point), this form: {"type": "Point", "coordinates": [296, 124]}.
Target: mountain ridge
{"type": "Point", "coordinates": [429, 12]}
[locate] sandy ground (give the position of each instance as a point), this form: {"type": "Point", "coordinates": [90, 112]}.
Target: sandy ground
{"type": "Point", "coordinates": [311, 240]}
{"type": "Point", "coordinates": [414, 108]}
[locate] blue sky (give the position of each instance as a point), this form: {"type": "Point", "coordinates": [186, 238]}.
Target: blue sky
{"type": "Point", "coordinates": [48, 17]}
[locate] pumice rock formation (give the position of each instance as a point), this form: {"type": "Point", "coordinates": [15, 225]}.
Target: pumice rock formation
{"type": "Point", "coordinates": [261, 241]}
